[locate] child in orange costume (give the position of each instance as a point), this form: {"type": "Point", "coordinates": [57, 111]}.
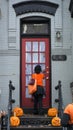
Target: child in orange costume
{"type": "Point", "coordinates": [67, 119]}
{"type": "Point", "coordinates": [38, 95]}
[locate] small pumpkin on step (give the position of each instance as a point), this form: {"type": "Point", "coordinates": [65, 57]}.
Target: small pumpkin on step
{"type": "Point", "coordinates": [56, 121]}
{"type": "Point", "coordinates": [14, 121]}
{"type": "Point", "coordinates": [18, 111]}
{"type": "Point", "coordinates": [52, 111]}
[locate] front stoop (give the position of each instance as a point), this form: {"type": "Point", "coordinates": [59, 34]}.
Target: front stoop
{"type": "Point", "coordinates": [35, 122]}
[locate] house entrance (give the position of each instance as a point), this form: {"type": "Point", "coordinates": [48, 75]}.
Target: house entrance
{"type": "Point", "coordinates": [35, 50]}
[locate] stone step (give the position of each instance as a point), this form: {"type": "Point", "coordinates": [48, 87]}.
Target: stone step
{"type": "Point", "coordinates": [40, 127]}
{"type": "Point", "coordinates": [30, 119]}
{"type": "Point", "coordinates": [34, 122]}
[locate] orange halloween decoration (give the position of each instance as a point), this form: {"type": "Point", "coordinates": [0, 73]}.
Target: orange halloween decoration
{"type": "Point", "coordinates": [18, 111]}
{"type": "Point", "coordinates": [69, 110]}
{"type": "Point", "coordinates": [52, 111]}
{"type": "Point", "coordinates": [56, 121]}
{"type": "Point", "coordinates": [14, 121]}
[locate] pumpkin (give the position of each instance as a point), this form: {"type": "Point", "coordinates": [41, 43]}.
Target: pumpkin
{"type": "Point", "coordinates": [52, 111]}
{"type": "Point", "coordinates": [14, 121]}
{"type": "Point", "coordinates": [56, 121]}
{"type": "Point", "coordinates": [18, 111]}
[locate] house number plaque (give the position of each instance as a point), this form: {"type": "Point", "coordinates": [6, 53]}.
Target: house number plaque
{"type": "Point", "coordinates": [59, 57]}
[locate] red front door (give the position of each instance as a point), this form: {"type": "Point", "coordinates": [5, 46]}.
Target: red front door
{"type": "Point", "coordinates": [34, 51]}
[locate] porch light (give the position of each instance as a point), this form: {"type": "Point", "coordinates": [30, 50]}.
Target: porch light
{"type": "Point", "coordinates": [58, 34]}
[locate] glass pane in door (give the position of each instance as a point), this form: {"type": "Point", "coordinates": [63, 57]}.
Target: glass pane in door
{"type": "Point", "coordinates": [35, 57]}
{"type": "Point", "coordinates": [28, 57]}
{"type": "Point", "coordinates": [28, 46]}
{"type": "Point", "coordinates": [35, 46]}
{"type": "Point", "coordinates": [42, 57]}
{"type": "Point", "coordinates": [42, 46]}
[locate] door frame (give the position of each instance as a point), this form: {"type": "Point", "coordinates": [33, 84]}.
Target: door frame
{"type": "Point", "coordinates": [32, 20]}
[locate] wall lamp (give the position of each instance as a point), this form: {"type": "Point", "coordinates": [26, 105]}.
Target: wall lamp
{"type": "Point", "coordinates": [58, 34]}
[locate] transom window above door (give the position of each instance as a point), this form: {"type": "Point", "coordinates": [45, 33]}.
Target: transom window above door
{"type": "Point", "coordinates": [39, 28]}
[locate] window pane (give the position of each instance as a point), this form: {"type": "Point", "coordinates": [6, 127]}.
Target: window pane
{"type": "Point", "coordinates": [28, 57]}
{"type": "Point", "coordinates": [35, 46]}
{"type": "Point", "coordinates": [35, 28]}
{"type": "Point", "coordinates": [35, 57]}
{"type": "Point", "coordinates": [28, 46]}
{"type": "Point", "coordinates": [28, 77]}
{"type": "Point", "coordinates": [28, 69]}
{"type": "Point", "coordinates": [42, 46]}
{"type": "Point", "coordinates": [43, 66]}
{"type": "Point", "coordinates": [42, 57]}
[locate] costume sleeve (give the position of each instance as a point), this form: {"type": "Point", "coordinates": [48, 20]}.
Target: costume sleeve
{"type": "Point", "coordinates": [65, 120]}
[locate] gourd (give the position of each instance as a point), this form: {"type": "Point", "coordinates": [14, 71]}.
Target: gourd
{"type": "Point", "coordinates": [56, 121]}
{"type": "Point", "coordinates": [14, 121]}
{"type": "Point", "coordinates": [52, 111]}
{"type": "Point", "coordinates": [18, 111]}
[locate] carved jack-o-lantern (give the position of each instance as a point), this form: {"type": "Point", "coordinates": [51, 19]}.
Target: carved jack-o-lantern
{"type": "Point", "coordinates": [18, 111]}
{"type": "Point", "coordinates": [52, 111]}
{"type": "Point", "coordinates": [56, 121]}
{"type": "Point", "coordinates": [14, 121]}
